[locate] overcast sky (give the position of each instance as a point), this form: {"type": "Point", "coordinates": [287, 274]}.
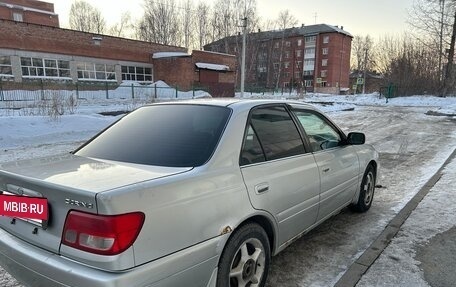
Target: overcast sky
{"type": "Point", "coordinates": [359, 17]}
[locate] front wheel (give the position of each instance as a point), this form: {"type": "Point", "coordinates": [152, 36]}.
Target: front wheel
{"type": "Point", "coordinates": [366, 193]}
{"type": "Point", "coordinates": [245, 259]}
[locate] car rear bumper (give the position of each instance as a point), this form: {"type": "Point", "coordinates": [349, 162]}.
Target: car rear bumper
{"type": "Point", "coordinates": [34, 266]}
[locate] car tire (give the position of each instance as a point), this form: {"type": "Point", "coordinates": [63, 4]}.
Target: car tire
{"type": "Point", "coordinates": [245, 259]}
{"type": "Point", "coordinates": [366, 192]}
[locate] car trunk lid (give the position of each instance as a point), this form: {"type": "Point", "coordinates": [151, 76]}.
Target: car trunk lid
{"type": "Point", "coordinates": [67, 182]}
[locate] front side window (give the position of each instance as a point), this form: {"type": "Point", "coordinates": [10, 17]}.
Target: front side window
{"type": "Point", "coordinates": [172, 135]}
{"type": "Point", "coordinates": [320, 133]}
{"type": "Point", "coordinates": [276, 132]}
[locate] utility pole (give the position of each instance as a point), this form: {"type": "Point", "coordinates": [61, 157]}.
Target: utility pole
{"type": "Point", "coordinates": [365, 70]}
{"type": "Point", "coordinates": [442, 15]}
{"type": "Point", "coordinates": [244, 28]}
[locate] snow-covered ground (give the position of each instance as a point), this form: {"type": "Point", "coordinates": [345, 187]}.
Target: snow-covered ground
{"type": "Point", "coordinates": [436, 214]}
{"type": "Point", "coordinates": [412, 139]}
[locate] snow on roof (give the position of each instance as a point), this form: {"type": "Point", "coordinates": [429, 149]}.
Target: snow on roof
{"type": "Point", "coordinates": [159, 55]}
{"type": "Point", "coordinates": [215, 67]}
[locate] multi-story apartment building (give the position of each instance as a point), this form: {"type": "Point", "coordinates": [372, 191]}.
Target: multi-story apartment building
{"type": "Point", "coordinates": [315, 58]}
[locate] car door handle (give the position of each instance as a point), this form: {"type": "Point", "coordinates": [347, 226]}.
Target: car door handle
{"type": "Point", "coordinates": [261, 188]}
{"type": "Point", "coordinates": [325, 170]}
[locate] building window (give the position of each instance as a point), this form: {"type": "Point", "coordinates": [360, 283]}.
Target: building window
{"type": "Point", "coordinates": [309, 52]}
{"type": "Point", "coordinates": [276, 66]}
{"type": "Point", "coordinates": [287, 54]}
{"type": "Point", "coordinates": [286, 65]}
{"type": "Point", "coordinates": [309, 63]}
{"type": "Point", "coordinates": [139, 74]}
{"type": "Point", "coordinates": [287, 44]}
{"type": "Point", "coordinates": [308, 83]}
{"type": "Point", "coordinates": [325, 51]}
{"type": "Point", "coordinates": [299, 42]}
{"type": "Point", "coordinates": [18, 17]}
{"type": "Point", "coordinates": [5, 66]}
{"type": "Point", "coordinates": [308, 73]}
{"type": "Point", "coordinates": [298, 64]}
{"type": "Point", "coordinates": [310, 39]}
{"type": "Point", "coordinates": [276, 45]}
{"type": "Point", "coordinates": [324, 62]}
{"type": "Point", "coordinates": [298, 53]}
{"type": "Point", "coordinates": [324, 73]}
{"type": "Point", "coordinates": [96, 72]}
{"type": "Point", "coordinates": [297, 75]}
{"type": "Point", "coordinates": [45, 68]}
{"type": "Point", "coordinates": [325, 39]}
{"type": "Point", "coordinates": [262, 67]}
{"type": "Point", "coordinates": [286, 75]}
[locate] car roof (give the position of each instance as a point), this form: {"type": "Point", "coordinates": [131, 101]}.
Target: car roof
{"type": "Point", "coordinates": [238, 103]}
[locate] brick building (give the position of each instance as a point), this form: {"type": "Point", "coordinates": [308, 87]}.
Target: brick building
{"type": "Point", "coordinates": [316, 57]}
{"type": "Point", "coordinates": [29, 11]}
{"type": "Point", "coordinates": [31, 51]}
{"type": "Point", "coordinates": [201, 69]}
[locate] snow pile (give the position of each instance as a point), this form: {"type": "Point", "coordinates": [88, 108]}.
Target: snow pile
{"type": "Point", "coordinates": [160, 55]}
{"type": "Point", "coordinates": [157, 90]}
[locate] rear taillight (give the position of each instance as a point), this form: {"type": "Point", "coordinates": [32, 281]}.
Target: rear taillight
{"type": "Point", "coordinates": [101, 234]}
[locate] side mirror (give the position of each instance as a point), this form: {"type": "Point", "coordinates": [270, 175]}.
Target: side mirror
{"type": "Point", "coordinates": [356, 138]}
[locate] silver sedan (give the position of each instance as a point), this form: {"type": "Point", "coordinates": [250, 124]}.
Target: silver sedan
{"type": "Point", "coordinates": [197, 193]}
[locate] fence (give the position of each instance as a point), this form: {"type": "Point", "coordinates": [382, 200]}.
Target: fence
{"type": "Point", "coordinates": [45, 90]}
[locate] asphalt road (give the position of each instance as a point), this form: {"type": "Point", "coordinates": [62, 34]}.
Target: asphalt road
{"type": "Point", "coordinates": [411, 146]}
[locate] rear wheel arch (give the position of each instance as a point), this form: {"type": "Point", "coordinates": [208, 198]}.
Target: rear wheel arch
{"type": "Point", "coordinates": [245, 258]}
{"type": "Point", "coordinates": [266, 224]}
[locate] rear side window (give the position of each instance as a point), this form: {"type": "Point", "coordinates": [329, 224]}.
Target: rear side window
{"type": "Point", "coordinates": [251, 150]}
{"type": "Point", "coordinates": [163, 135]}
{"type": "Point", "coordinates": [277, 134]}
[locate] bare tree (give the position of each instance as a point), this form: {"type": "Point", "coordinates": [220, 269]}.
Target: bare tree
{"type": "Point", "coordinates": [160, 23]}
{"type": "Point", "coordinates": [286, 20]}
{"type": "Point", "coordinates": [202, 24]}
{"type": "Point", "coordinates": [449, 75]}
{"type": "Point", "coordinates": [362, 53]}
{"type": "Point", "coordinates": [433, 21]}
{"type": "Point", "coordinates": [407, 63]}
{"type": "Point", "coordinates": [124, 27]}
{"type": "Point", "coordinates": [188, 23]}
{"type": "Point", "coordinates": [86, 18]}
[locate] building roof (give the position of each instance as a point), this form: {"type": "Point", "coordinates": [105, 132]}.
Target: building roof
{"type": "Point", "coordinates": [210, 66]}
{"type": "Point", "coordinates": [310, 30]}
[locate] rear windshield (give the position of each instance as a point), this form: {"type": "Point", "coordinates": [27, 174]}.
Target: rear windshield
{"type": "Point", "coordinates": [164, 135]}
